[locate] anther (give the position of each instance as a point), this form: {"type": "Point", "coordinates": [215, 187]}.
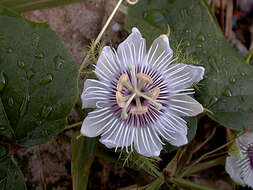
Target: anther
{"type": "Point", "coordinates": [121, 100]}
{"type": "Point", "coordinates": [123, 82]}
{"type": "Point", "coordinates": [143, 78]}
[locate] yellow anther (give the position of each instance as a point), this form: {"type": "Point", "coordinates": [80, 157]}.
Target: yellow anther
{"type": "Point", "coordinates": [121, 100]}
{"type": "Point", "coordinates": [143, 78]}
{"type": "Point", "coordinates": [123, 82]}
{"type": "Point", "coordinates": [138, 110]}
{"type": "Point", "coordinates": [155, 93]}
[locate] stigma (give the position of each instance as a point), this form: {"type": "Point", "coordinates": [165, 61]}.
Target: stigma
{"type": "Point", "coordinates": [136, 93]}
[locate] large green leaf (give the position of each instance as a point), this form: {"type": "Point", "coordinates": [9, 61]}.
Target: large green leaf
{"type": "Point", "coordinates": [83, 151]}
{"type": "Point", "coordinates": [227, 88]}
{"type": "Point", "coordinates": [40, 79]}
{"type": "Point", "coordinates": [11, 177]}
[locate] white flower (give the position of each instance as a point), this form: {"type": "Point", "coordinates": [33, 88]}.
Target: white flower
{"type": "Point", "coordinates": [140, 96]}
{"type": "Point", "coordinates": [241, 169]}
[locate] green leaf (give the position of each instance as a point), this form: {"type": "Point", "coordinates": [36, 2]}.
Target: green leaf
{"type": "Point", "coordinates": [41, 79]}
{"type": "Point", "coordinates": [227, 88]}
{"type": "Point", "coordinates": [6, 132]}
{"type": "Point", "coordinates": [11, 178]}
{"type": "Point", "coordinates": [28, 5]}
{"type": "Point", "coordinates": [83, 150]}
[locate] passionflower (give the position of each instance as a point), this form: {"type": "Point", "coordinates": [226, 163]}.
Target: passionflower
{"type": "Point", "coordinates": [140, 96]}
{"type": "Point", "coordinates": [240, 166]}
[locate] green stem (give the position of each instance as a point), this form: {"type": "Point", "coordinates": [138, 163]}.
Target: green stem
{"type": "Point", "coordinates": [73, 125]}
{"type": "Point", "coordinates": [248, 58]}
{"type": "Point", "coordinates": [156, 184]}
{"type": "Point", "coordinates": [83, 65]}
{"type": "Point", "coordinates": [202, 166]}
{"type": "Point", "coordinates": [189, 184]}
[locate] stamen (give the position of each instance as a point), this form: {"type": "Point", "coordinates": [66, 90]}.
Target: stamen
{"type": "Point", "coordinates": [123, 81]}
{"type": "Point", "coordinates": [121, 100]}
{"type": "Point", "coordinates": [143, 78]}
{"type": "Point", "coordinates": [124, 114]}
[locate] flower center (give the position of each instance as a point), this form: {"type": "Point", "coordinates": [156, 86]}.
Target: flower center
{"type": "Point", "coordinates": [250, 154]}
{"type": "Point", "coordinates": [136, 93]}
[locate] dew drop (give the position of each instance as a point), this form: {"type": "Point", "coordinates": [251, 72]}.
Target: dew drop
{"type": "Point", "coordinates": [47, 79]}
{"type": "Point", "coordinates": [58, 62]}
{"type": "Point", "coordinates": [9, 50]}
{"type": "Point", "coordinates": [2, 81]}
{"type": "Point", "coordinates": [227, 93]}
{"type": "Point", "coordinates": [154, 17]}
{"type": "Point", "coordinates": [24, 105]}
{"type": "Point", "coordinates": [46, 110]}
{"type": "Point", "coordinates": [39, 55]}
{"type": "Point", "coordinates": [188, 31]}
{"type": "Point", "coordinates": [21, 64]}
{"type": "Point", "coordinates": [187, 43]}
{"type": "Point", "coordinates": [232, 80]}
{"type": "Point", "coordinates": [184, 13]}
{"type": "Point", "coordinates": [30, 73]}
{"type": "Point", "coordinates": [213, 64]}
{"type": "Point", "coordinates": [243, 74]}
{"type": "Point", "coordinates": [213, 100]}
{"type": "Point", "coordinates": [10, 101]}
{"type": "Point", "coordinates": [201, 37]}
{"type": "Point", "coordinates": [3, 127]}
{"type": "Point", "coordinates": [198, 46]}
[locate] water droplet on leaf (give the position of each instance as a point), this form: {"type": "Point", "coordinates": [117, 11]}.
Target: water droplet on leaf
{"type": "Point", "coordinates": [227, 93]}
{"type": "Point", "coordinates": [58, 62]}
{"type": "Point", "coordinates": [47, 79]}
{"type": "Point", "coordinates": [46, 110]}
{"type": "Point", "coordinates": [39, 55]}
{"type": "Point", "coordinates": [201, 37]}
{"type": "Point", "coordinates": [188, 30]}
{"type": "Point", "coordinates": [154, 17]}
{"type": "Point", "coordinates": [198, 46]}
{"type": "Point", "coordinates": [184, 13]}
{"type": "Point", "coordinates": [3, 127]}
{"type": "Point", "coordinates": [213, 64]}
{"type": "Point", "coordinates": [187, 43]}
{"type": "Point", "coordinates": [9, 50]}
{"type": "Point", "coordinates": [24, 105]}
{"type": "Point", "coordinates": [232, 80]}
{"type": "Point", "coordinates": [21, 64]}
{"type": "Point", "coordinates": [2, 81]}
{"type": "Point", "coordinates": [10, 101]}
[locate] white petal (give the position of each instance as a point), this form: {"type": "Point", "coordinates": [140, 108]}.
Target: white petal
{"type": "Point", "coordinates": [89, 95]}
{"type": "Point", "coordinates": [132, 50]}
{"type": "Point", "coordinates": [94, 122]}
{"type": "Point", "coordinates": [146, 142]}
{"type": "Point", "coordinates": [233, 170]}
{"type": "Point", "coordinates": [185, 105]}
{"type": "Point", "coordinates": [106, 66]}
{"type": "Point", "coordinates": [174, 131]}
{"type": "Point", "coordinates": [160, 53]}
{"type": "Point", "coordinates": [249, 178]}
{"type": "Point", "coordinates": [246, 139]}
{"type": "Point", "coordinates": [118, 136]}
{"type": "Point", "coordinates": [181, 76]}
